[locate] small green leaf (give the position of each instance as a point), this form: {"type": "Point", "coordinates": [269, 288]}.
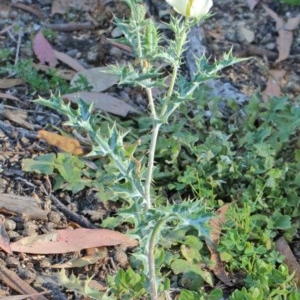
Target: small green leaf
{"type": "Point", "coordinates": [188, 295]}
{"type": "Point", "coordinates": [179, 266]}
{"type": "Point", "coordinates": [191, 281]}
{"type": "Point", "coordinates": [190, 254]}
{"type": "Point", "coordinates": [215, 295]}
{"type": "Point", "coordinates": [43, 164]}
{"type": "Point", "coordinates": [182, 266]}
{"type": "Point", "coordinates": [281, 221]}
{"type": "Point", "coordinates": [69, 167]}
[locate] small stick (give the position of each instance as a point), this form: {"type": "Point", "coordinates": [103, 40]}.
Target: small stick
{"type": "Point", "coordinates": [29, 9]}
{"type": "Point", "coordinates": [71, 26]}
{"type": "Point", "coordinates": [18, 46]}
{"type": "Point", "coordinates": [81, 220]}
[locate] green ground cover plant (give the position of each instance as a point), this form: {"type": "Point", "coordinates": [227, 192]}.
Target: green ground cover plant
{"type": "Point", "coordinates": [38, 82]}
{"type": "Point", "coordinates": [186, 166]}
{"type": "Point", "coordinates": [291, 2]}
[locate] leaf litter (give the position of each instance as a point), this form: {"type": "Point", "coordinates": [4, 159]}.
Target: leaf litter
{"type": "Point", "coordinates": [99, 78]}
{"type": "Point", "coordinates": [43, 50]}
{"type": "Point", "coordinates": [215, 235]}
{"type": "Point", "coordinates": [71, 240]}
{"type": "Point", "coordinates": [103, 102]}
{"type": "Point", "coordinates": [285, 33]}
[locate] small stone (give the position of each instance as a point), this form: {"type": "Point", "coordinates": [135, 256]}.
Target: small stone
{"type": "Point", "coordinates": [270, 46]}
{"type": "Point", "coordinates": [72, 52]}
{"type": "Point", "coordinates": [73, 207]}
{"type": "Point", "coordinates": [13, 235]}
{"type": "Point", "coordinates": [93, 54]}
{"type": "Point", "coordinates": [50, 226]}
{"type": "Point", "coordinates": [95, 215]}
{"type": "Point", "coordinates": [54, 217]}
{"type": "Point", "coordinates": [3, 256]}
{"type": "Point", "coordinates": [121, 257]}
{"type": "Point", "coordinates": [30, 225]}
{"type": "Point", "coordinates": [29, 232]}
{"type": "Point", "coordinates": [116, 32]}
{"type": "Point", "coordinates": [3, 183]}
{"type": "Point", "coordinates": [10, 225]}
{"type": "Point", "coordinates": [116, 52]}
{"type": "Point", "coordinates": [140, 99]}
{"type": "Point", "coordinates": [12, 262]}
{"type": "Point", "coordinates": [28, 275]}
{"type": "Point", "coordinates": [45, 263]}
{"type": "Point", "coordinates": [29, 229]}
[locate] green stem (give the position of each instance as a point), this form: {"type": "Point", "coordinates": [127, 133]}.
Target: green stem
{"type": "Point", "coordinates": [150, 165]}
{"type": "Point", "coordinates": [156, 126]}
{"type": "Point", "coordinates": [153, 143]}
{"type": "Point", "coordinates": [157, 122]}
{"type": "Point", "coordinates": [139, 45]}
{"type": "Point", "coordinates": [181, 42]}
{"type": "Point", "coordinates": [151, 257]}
{"type": "Point", "coordinates": [151, 103]}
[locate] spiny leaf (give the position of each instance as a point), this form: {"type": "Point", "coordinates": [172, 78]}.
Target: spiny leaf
{"type": "Point", "coordinates": [81, 286]}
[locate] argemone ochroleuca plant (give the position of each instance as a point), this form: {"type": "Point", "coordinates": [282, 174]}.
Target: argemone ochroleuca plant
{"type": "Point", "coordinates": [191, 8]}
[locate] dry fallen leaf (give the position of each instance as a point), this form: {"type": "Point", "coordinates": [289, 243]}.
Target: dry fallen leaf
{"type": "Point", "coordinates": [8, 96]}
{"type": "Point", "coordinates": [18, 116]}
{"type": "Point", "coordinates": [292, 23]}
{"type": "Point", "coordinates": [273, 87]}
{"type": "Point", "coordinates": [284, 43]}
{"type": "Point", "coordinates": [99, 78]}
{"type": "Point", "coordinates": [63, 73]}
{"type": "Point", "coordinates": [216, 224]}
{"type": "Point", "coordinates": [64, 143]}
{"type": "Point", "coordinates": [68, 60]}
{"type": "Point", "coordinates": [283, 248]}
{"type": "Point", "coordinates": [80, 262]}
{"type": "Point", "coordinates": [71, 240]}
{"type": "Point", "coordinates": [7, 83]}
{"type": "Point", "coordinates": [252, 3]}
{"type": "Point", "coordinates": [285, 34]}
{"type": "Point", "coordinates": [247, 34]}
{"type": "Point", "coordinates": [43, 50]}
{"type": "Point", "coordinates": [103, 102]}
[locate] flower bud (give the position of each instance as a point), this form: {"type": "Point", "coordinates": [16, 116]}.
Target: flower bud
{"type": "Point", "coordinates": [191, 8]}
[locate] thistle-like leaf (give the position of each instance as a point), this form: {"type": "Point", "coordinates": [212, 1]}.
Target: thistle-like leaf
{"type": "Point", "coordinates": [81, 286]}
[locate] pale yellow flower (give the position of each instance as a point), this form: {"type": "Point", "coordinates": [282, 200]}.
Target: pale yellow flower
{"type": "Point", "coordinates": [191, 8]}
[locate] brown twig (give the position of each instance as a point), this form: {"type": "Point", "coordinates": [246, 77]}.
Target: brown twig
{"type": "Point", "coordinates": [29, 9]}
{"type": "Point", "coordinates": [71, 26]}
{"type": "Point", "coordinates": [81, 220]}
{"type": "Point", "coordinates": [253, 50]}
